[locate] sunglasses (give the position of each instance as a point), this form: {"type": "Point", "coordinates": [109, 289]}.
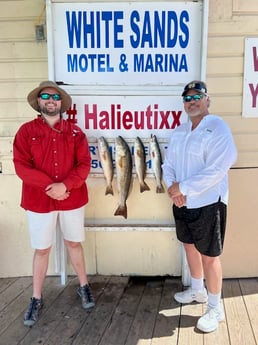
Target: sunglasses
{"type": "Point", "coordinates": [46, 96]}
{"type": "Point", "coordinates": [197, 97]}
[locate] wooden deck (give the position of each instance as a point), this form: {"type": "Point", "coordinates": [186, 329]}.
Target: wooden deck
{"type": "Point", "coordinates": [128, 311]}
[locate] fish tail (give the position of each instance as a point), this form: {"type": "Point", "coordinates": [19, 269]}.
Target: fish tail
{"type": "Point", "coordinates": [121, 211]}
{"type": "Point", "coordinates": [160, 189]}
{"type": "Point", "coordinates": [144, 187]}
{"type": "Point", "coordinates": [109, 190]}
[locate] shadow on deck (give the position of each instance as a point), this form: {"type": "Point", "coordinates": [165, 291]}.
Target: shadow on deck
{"type": "Point", "coordinates": [128, 311]}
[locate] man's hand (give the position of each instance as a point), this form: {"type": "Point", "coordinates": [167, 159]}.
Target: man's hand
{"type": "Point", "coordinates": [57, 191]}
{"type": "Point", "coordinates": [177, 197]}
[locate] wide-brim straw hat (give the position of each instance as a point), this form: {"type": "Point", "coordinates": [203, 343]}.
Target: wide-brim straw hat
{"type": "Point", "coordinates": [66, 99]}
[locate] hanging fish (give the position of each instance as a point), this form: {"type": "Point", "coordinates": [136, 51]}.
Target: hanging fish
{"type": "Point", "coordinates": [140, 164]}
{"type": "Point", "coordinates": [156, 162]}
{"type": "Point", "coordinates": [106, 163]}
{"type": "Point", "coordinates": [124, 174]}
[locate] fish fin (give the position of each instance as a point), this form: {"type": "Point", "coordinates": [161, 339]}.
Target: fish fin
{"type": "Point", "coordinates": [139, 153]}
{"type": "Point", "coordinates": [105, 156]}
{"type": "Point", "coordinates": [160, 189]}
{"type": "Point", "coordinates": [130, 187]}
{"type": "Point", "coordinates": [109, 190]}
{"type": "Point", "coordinates": [121, 211]}
{"type": "Point", "coordinates": [144, 187]}
{"type": "Point", "coordinates": [120, 162]}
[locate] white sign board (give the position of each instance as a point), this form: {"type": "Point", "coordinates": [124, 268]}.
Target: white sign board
{"type": "Point", "coordinates": [154, 43]}
{"type": "Point", "coordinates": [128, 116]}
{"type": "Point", "coordinates": [125, 65]}
{"type": "Point", "coordinates": [250, 89]}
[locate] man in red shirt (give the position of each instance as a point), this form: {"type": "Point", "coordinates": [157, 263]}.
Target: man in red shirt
{"type": "Point", "coordinates": [52, 158]}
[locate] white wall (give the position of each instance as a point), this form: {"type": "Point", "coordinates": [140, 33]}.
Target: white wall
{"type": "Point", "coordinates": [23, 64]}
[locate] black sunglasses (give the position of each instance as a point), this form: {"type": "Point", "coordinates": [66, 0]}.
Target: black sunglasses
{"type": "Point", "coordinates": [46, 96]}
{"type": "Point", "coordinates": [196, 97]}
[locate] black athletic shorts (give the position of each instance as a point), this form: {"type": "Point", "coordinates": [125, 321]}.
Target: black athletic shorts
{"type": "Point", "coordinates": [204, 227]}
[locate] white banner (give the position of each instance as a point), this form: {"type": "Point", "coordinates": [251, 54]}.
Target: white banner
{"type": "Point", "coordinates": [154, 43]}
{"type": "Point", "coordinates": [128, 116]}
{"type": "Point", "coordinates": [250, 90]}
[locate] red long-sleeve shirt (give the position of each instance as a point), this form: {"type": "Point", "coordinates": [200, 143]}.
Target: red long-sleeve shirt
{"type": "Point", "coordinates": [43, 155]}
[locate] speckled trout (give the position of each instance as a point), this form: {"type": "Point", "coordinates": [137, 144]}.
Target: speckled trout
{"type": "Point", "coordinates": [156, 161]}
{"type": "Point", "coordinates": [106, 163]}
{"type": "Point", "coordinates": [124, 174]}
{"type": "Point", "coordinates": [140, 163]}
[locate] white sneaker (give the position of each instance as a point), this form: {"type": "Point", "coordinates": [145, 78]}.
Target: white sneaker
{"type": "Point", "coordinates": [190, 295]}
{"type": "Point", "coordinates": [209, 322]}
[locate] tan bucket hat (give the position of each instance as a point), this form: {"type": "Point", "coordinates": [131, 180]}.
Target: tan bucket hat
{"type": "Point", "coordinates": [33, 95]}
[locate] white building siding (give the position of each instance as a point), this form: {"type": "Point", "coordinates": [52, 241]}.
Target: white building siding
{"type": "Point", "coordinates": [23, 64]}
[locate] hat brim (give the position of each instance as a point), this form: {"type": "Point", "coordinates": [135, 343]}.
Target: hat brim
{"type": "Point", "coordinates": [33, 96]}
{"type": "Point", "coordinates": [197, 90]}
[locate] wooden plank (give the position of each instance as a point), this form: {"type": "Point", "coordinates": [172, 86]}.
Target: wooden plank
{"type": "Point", "coordinates": [188, 333]}
{"type": "Point", "coordinates": [22, 69]}
{"type": "Point", "coordinates": [167, 322]}
{"type": "Point", "coordinates": [218, 337]}
{"type": "Point", "coordinates": [249, 288]}
{"type": "Point", "coordinates": [14, 290]}
{"type": "Point", "coordinates": [20, 51]}
{"type": "Point", "coordinates": [140, 314]}
{"type": "Point", "coordinates": [15, 308]}
{"type": "Point", "coordinates": [122, 319]}
{"type": "Point", "coordinates": [16, 9]}
{"type": "Point", "coordinates": [53, 315]}
{"type": "Point", "coordinates": [17, 30]}
{"type": "Point", "coordinates": [225, 66]}
{"type": "Point", "coordinates": [72, 321]}
{"type": "Point", "coordinates": [248, 6]}
{"type": "Point", "coordinates": [93, 329]}
{"type": "Point", "coordinates": [5, 283]}
{"type": "Point", "coordinates": [222, 45]}
{"type": "Point", "coordinates": [249, 126]}
{"type": "Point", "coordinates": [247, 141]}
{"type": "Point", "coordinates": [6, 148]}
{"type": "Point", "coordinates": [16, 330]}
{"type": "Point", "coordinates": [240, 331]}
{"type": "Point", "coordinates": [220, 10]}
{"type": "Point", "coordinates": [143, 324]}
{"type": "Point", "coordinates": [233, 28]}
{"type": "Point", "coordinates": [225, 85]}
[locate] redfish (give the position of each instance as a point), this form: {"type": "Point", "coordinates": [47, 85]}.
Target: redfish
{"type": "Point", "coordinates": [156, 161]}
{"type": "Point", "coordinates": [140, 163]}
{"type": "Point", "coordinates": [106, 163]}
{"type": "Point", "coordinates": [124, 165]}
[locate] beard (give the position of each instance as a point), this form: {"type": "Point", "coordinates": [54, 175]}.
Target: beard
{"type": "Point", "coordinates": [53, 112]}
{"type": "Point", "coordinates": [194, 112]}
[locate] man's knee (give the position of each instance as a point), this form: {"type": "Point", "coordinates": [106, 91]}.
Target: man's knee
{"type": "Point", "coordinates": [72, 245]}
{"type": "Point", "coordinates": [42, 252]}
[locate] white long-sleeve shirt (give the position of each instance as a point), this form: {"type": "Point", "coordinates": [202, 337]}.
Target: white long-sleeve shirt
{"type": "Point", "coordinates": [200, 160]}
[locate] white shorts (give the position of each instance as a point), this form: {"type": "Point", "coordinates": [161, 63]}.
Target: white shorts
{"type": "Point", "coordinates": [43, 227]}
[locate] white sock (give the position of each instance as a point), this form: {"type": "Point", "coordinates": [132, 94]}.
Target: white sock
{"type": "Point", "coordinates": [214, 300]}
{"type": "Point", "coordinates": [197, 284]}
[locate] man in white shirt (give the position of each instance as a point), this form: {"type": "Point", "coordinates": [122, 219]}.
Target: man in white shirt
{"type": "Point", "coordinates": [198, 158]}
